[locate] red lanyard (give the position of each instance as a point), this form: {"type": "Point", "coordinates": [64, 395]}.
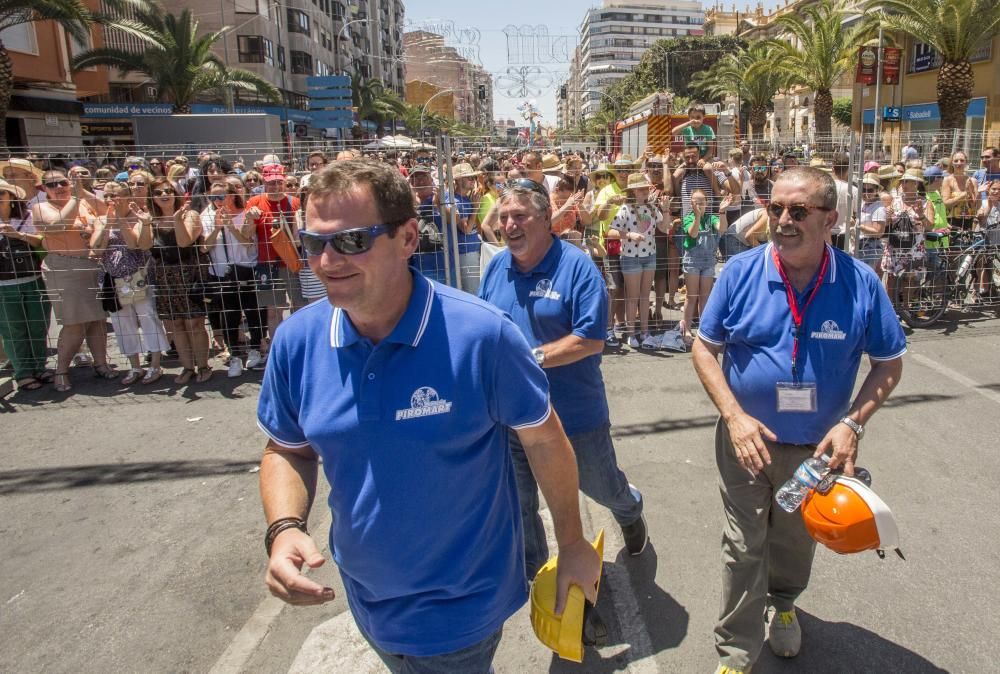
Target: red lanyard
{"type": "Point", "coordinates": [793, 302]}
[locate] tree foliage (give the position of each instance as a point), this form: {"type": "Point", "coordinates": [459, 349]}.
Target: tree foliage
{"type": "Point", "coordinates": [843, 111]}
{"type": "Point", "coordinates": [175, 56]}
{"type": "Point", "coordinates": [687, 56]}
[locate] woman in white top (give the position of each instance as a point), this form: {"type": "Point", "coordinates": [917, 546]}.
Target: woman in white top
{"type": "Point", "coordinates": [872, 223]}
{"type": "Point", "coordinates": [636, 222]}
{"type": "Point", "coordinates": [230, 239]}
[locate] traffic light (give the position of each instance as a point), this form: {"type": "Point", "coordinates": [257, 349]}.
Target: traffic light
{"type": "Point", "coordinates": [482, 92]}
{"type": "Point", "coordinates": [563, 92]}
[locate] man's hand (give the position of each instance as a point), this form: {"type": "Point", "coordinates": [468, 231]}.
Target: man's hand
{"type": "Point", "coordinates": [253, 214]}
{"type": "Point", "coordinates": [842, 439]}
{"type": "Point", "coordinates": [747, 436]}
{"type": "Point", "coordinates": [293, 548]}
{"type": "Point", "coordinates": [578, 565]}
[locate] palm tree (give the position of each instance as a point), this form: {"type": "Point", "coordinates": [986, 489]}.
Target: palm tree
{"type": "Point", "coordinates": [955, 29]}
{"type": "Point", "coordinates": [175, 57]}
{"type": "Point", "coordinates": [750, 75]}
{"type": "Point", "coordinates": [819, 55]}
{"type": "Point", "coordinates": [72, 15]}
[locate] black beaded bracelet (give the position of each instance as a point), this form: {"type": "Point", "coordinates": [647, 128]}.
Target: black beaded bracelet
{"type": "Point", "coordinates": [279, 525]}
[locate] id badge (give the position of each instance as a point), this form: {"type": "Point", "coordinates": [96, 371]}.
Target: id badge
{"type": "Point", "coordinates": [794, 397]}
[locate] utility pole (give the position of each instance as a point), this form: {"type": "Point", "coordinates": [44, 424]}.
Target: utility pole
{"type": "Point", "coordinates": [878, 94]}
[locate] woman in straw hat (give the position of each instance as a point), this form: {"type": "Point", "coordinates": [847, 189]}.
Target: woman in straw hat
{"type": "Point", "coordinates": [71, 275]}
{"type": "Point", "coordinates": [24, 306]}
{"type": "Point", "coordinates": [464, 207]}
{"type": "Point", "coordinates": [906, 223]}
{"type": "Point", "coordinates": [636, 223]}
{"type": "Point", "coordinates": [872, 223]}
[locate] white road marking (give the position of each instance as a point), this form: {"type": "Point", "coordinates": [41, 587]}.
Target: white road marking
{"type": "Point", "coordinates": [246, 642]}
{"type": "Point", "coordinates": [956, 377]}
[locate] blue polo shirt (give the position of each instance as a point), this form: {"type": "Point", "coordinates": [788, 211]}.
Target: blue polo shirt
{"type": "Point", "coordinates": [564, 294]}
{"type": "Point", "coordinates": [748, 313]}
{"type": "Point", "coordinates": [412, 431]}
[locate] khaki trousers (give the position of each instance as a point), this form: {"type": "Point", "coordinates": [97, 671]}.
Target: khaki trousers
{"type": "Point", "coordinates": [766, 552]}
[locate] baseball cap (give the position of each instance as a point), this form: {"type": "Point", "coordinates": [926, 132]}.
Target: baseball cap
{"type": "Point", "coordinates": [933, 173]}
{"type": "Point", "coordinates": [273, 172]}
{"type": "Point", "coordinates": [871, 166]}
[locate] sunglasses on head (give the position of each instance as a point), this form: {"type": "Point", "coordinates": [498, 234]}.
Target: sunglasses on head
{"type": "Point", "coordinates": [57, 183]}
{"type": "Point", "coordinates": [348, 242]}
{"type": "Point", "coordinates": [527, 184]}
{"type": "Point", "coordinates": [163, 193]}
{"type": "Point", "coordinates": [798, 212]}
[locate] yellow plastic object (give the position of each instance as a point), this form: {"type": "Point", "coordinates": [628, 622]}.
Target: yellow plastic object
{"type": "Point", "coordinates": [563, 634]}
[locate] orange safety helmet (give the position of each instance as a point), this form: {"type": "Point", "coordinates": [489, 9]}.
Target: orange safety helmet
{"type": "Point", "coordinates": [845, 515]}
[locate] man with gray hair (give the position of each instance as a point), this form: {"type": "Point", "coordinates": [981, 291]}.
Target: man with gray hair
{"type": "Point", "coordinates": [556, 296]}
{"type": "Point", "coordinates": [408, 390]}
{"type": "Point", "coordinates": [794, 318]}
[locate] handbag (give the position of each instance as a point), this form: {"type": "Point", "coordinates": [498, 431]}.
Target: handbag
{"type": "Point", "coordinates": [134, 287]}
{"type": "Point", "coordinates": [901, 235]}
{"type": "Point", "coordinates": [107, 295]}
{"type": "Point", "coordinates": [281, 241]}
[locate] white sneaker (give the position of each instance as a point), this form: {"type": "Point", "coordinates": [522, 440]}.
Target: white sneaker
{"type": "Point", "coordinates": [633, 342]}
{"type": "Point", "coordinates": [254, 360]}
{"type": "Point", "coordinates": [83, 359]}
{"type": "Point", "coordinates": [650, 342]}
{"type": "Point", "coordinates": [235, 367]}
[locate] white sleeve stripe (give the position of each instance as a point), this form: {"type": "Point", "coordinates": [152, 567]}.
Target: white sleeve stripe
{"type": "Point", "coordinates": [535, 424]}
{"type": "Point", "coordinates": [702, 336]}
{"type": "Point", "coordinates": [283, 443]}
{"type": "Point", "coordinates": [884, 358]}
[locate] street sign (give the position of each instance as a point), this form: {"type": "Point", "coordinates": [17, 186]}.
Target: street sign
{"type": "Point", "coordinates": [330, 102]}
{"type": "Point", "coordinates": [892, 113]}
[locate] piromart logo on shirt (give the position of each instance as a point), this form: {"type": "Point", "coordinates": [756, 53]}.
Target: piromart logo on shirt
{"type": "Point", "coordinates": [424, 402]}
{"type": "Point", "coordinates": [830, 330]}
{"type": "Point", "coordinates": [544, 290]}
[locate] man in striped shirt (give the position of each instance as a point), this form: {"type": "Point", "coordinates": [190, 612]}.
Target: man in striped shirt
{"type": "Point", "coordinates": [696, 174]}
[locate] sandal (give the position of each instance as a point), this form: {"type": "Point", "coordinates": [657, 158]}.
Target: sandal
{"type": "Point", "coordinates": [29, 383]}
{"type": "Point", "coordinates": [133, 376]}
{"type": "Point", "coordinates": [61, 380]}
{"type": "Point", "coordinates": [46, 376]}
{"type": "Point", "coordinates": [152, 374]}
{"type": "Point", "coordinates": [105, 372]}
{"type": "Point", "coordinates": [204, 374]}
{"type": "Point", "coordinates": [185, 376]}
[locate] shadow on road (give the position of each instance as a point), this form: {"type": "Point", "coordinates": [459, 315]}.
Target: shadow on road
{"type": "Point", "coordinates": [835, 648]}
{"type": "Point", "coordinates": [74, 477]}
{"type": "Point", "coordinates": [663, 619]}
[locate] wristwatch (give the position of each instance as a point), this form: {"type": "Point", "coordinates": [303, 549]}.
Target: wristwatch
{"type": "Point", "coordinates": [858, 429]}
{"type": "Point", "coordinates": [539, 355]}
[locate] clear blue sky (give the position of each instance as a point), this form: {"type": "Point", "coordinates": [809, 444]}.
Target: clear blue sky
{"type": "Point", "coordinates": [561, 17]}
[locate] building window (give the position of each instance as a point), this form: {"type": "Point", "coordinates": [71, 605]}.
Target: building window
{"type": "Point", "coordinates": [302, 62]}
{"type": "Point", "coordinates": [255, 49]}
{"type": "Point", "coordinates": [247, 7]}
{"type": "Point", "coordinates": [298, 22]}
{"type": "Point", "coordinates": [20, 38]}
{"type": "Point", "coordinates": [325, 40]}
{"type": "Point", "coordinates": [281, 58]}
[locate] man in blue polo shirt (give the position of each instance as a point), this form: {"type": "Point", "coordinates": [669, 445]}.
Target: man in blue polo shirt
{"type": "Point", "coordinates": [556, 296]}
{"type": "Point", "coordinates": [408, 391]}
{"type": "Point", "coordinates": [794, 318]}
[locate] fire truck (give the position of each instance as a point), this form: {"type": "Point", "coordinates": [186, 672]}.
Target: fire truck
{"type": "Point", "coordinates": [650, 120]}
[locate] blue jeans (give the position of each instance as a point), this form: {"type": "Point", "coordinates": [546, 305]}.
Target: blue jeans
{"type": "Point", "coordinates": [600, 478]}
{"type": "Point", "coordinates": [474, 659]}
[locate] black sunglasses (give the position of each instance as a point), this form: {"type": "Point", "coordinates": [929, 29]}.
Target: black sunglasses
{"type": "Point", "coordinates": [133, 167]}
{"type": "Point", "coordinates": [348, 242]}
{"type": "Point", "coordinates": [798, 212]}
{"type": "Point", "coordinates": [164, 193]}
{"type": "Point", "coordinates": [57, 183]}
{"type": "Point", "coordinates": [138, 183]}
{"type": "Point", "coordinates": [527, 184]}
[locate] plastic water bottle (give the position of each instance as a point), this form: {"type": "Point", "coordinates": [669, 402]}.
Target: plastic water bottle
{"type": "Point", "coordinates": [804, 480]}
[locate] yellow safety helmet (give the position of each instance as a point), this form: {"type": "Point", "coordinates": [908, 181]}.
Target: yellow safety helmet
{"type": "Point", "coordinates": [563, 634]}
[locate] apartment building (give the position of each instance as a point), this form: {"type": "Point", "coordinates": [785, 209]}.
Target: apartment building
{"type": "Point", "coordinates": [437, 71]}
{"type": "Point", "coordinates": [614, 36]}
{"type": "Point", "coordinates": [44, 111]}
{"type": "Point", "coordinates": [283, 41]}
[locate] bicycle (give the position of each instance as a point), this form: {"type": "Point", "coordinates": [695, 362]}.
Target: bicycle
{"type": "Point", "coordinates": [932, 291]}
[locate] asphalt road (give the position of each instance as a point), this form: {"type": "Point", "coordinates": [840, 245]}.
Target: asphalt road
{"type": "Point", "coordinates": [132, 530]}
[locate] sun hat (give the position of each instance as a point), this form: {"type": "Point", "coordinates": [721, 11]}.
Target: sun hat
{"type": "Point", "coordinates": [624, 163]}
{"type": "Point", "coordinates": [887, 173]}
{"type": "Point", "coordinates": [552, 164]}
{"type": "Point", "coordinates": [871, 166]}
{"type": "Point", "coordinates": [604, 169]}
{"type": "Point", "coordinates": [916, 175]}
{"type": "Point", "coordinates": [23, 164]}
{"type": "Point", "coordinates": [638, 181]}
{"type": "Point", "coordinates": [13, 190]}
{"type": "Point", "coordinates": [870, 179]}
{"type": "Point", "coordinates": [463, 170]}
